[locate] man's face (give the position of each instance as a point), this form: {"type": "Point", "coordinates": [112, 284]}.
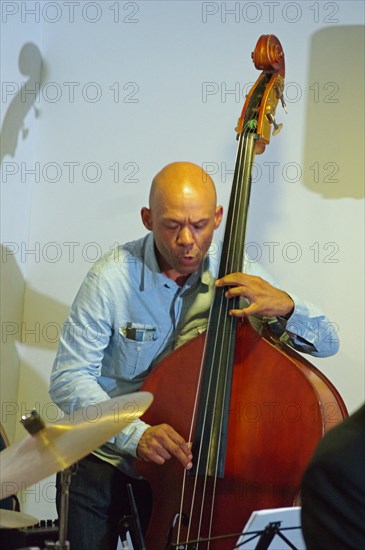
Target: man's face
{"type": "Point", "coordinates": [183, 221]}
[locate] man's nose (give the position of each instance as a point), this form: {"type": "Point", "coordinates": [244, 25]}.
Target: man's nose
{"type": "Point", "coordinates": [185, 237]}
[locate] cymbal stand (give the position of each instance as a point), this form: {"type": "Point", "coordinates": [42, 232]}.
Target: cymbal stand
{"type": "Point", "coordinates": [33, 423]}
{"type": "Point", "coordinates": [62, 543]}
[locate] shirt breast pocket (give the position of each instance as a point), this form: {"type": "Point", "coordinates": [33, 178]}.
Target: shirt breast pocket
{"type": "Point", "coordinates": [138, 345]}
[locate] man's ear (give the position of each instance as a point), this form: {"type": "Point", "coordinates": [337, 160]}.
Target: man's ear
{"type": "Point", "coordinates": [218, 216]}
{"type": "Point", "coordinates": [146, 218]}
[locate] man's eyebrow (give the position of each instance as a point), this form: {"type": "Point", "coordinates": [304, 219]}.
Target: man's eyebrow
{"type": "Point", "coordinates": [191, 222]}
{"type": "Point", "coordinates": [172, 219]}
{"type": "Point", "coordinates": [168, 219]}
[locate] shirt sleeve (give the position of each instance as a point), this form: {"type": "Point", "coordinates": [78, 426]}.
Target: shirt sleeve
{"type": "Point", "coordinates": [77, 366]}
{"type": "Point", "coordinates": [307, 330]}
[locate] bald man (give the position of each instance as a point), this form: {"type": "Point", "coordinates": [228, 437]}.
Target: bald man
{"type": "Point", "coordinates": [139, 302]}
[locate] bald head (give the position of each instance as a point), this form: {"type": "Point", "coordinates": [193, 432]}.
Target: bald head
{"type": "Point", "coordinates": [182, 178]}
{"type": "Point", "coordinates": [182, 215]}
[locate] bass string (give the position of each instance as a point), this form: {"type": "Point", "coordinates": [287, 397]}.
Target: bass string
{"type": "Point", "coordinates": [244, 160]}
{"type": "Point", "coordinates": [241, 167]}
{"type": "Point", "coordinates": [198, 458]}
{"type": "Point", "coordinates": [222, 320]}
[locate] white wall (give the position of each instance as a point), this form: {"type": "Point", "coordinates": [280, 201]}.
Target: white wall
{"type": "Point", "coordinates": [21, 64]}
{"type": "Point", "coordinates": [135, 85]}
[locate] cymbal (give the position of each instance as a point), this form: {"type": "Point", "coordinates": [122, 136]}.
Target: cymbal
{"type": "Point", "coordinates": [9, 519]}
{"type": "Point", "coordinates": [58, 445]}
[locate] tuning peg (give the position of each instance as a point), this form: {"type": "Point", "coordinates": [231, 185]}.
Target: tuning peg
{"type": "Point", "coordinates": [281, 97]}
{"type": "Point", "coordinates": [277, 127]}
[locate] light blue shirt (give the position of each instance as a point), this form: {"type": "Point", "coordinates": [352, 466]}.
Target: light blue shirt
{"type": "Point", "coordinates": [127, 314]}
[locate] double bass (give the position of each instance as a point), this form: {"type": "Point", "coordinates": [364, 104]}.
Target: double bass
{"type": "Point", "coordinates": [253, 408]}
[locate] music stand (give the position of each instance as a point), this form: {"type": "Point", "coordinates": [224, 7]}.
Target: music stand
{"type": "Point", "coordinates": [274, 529]}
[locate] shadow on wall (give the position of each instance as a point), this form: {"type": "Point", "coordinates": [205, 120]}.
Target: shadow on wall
{"type": "Point", "coordinates": [41, 329]}
{"type": "Point", "coordinates": [12, 303]}
{"type": "Point", "coordinates": [30, 64]}
{"type": "Point", "coordinates": [334, 148]}
{"type": "Point", "coordinates": [43, 322]}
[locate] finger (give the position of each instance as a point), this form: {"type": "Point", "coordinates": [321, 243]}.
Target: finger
{"type": "Point", "coordinates": [239, 313]}
{"type": "Point", "coordinates": [151, 452]}
{"type": "Point", "coordinates": [165, 442]}
{"type": "Point", "coordinates": [232, 279]}
{"type": "Point", "coordinates": [169, 435]}
{"type": "Point", "coordinates": [157, 456]}
{"type": "Point", "coordinates": [244, 312]}
{"type": "Point", "coordinates": [178, 448]}
{"type": "Point", "coordinates": [239, 291]}
{"type": "Point", "coordinates": [180, 455]}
